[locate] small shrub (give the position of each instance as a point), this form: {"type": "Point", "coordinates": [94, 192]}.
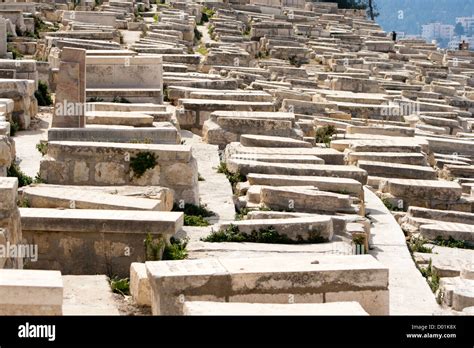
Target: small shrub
{"type": "Point", "coordinates": [16, 172]}
{"type": "Point", "coordinates": [194, 215]}
{"type": "Point", "coordinates": [206, 14]}
{"type": "Point", "coordinates": [120, 286]}
{"type": "Point", "coordinates": [176, 250]}
{"type": "Point", "coordinates": [431, 278]}
{"type": "Point", "coordinates": [14, 127]}
{"type": "Point", "coordinates": [142, 162]}
{"type": "Point", "coordinates": [42, 148]}
{"type": "Point", "coordinates": [416, 245]}
{"type": "Point", "coordinates": [202, 50]}
{"type": "Point", "coordinates": [23, 203]}
{"type": "Point", "coordinates": [16, 54]}
{"type": "Point", "coordinates": [452, 243]}
{"type": "Point", "coordinates": [200, 178]}
{"type": "Point", "coordinates": [264, 235]}
{"type": "Point", "coordinates": [324, 134]}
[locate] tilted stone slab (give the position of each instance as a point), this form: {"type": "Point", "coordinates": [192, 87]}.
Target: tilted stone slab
{"type": "Point", "coordinates": [403, 144]}
{"type": "Point", "coordinates": [330, 156]}
{"type": "Point", "coordinates": [30, 292]}
{"type": "Point", "coordinates": [271, 141]}
{"type": "Point", "coordinates": [397, 170]}
{"type": "Point", "coordinates": [417, 159]}
{"type": "Point", "coordinates": [58, 197]}
{"type": "Point", "coordinates": [323, 183]}
{"type": "Point", "coordinates": [304, 200]}
{"type": "Point", "coordinates": [280, 158]}
{"type": "Point", "coordinates": [234, 308]}
{"type": "Point", "coordinates": [89, 241]}
{"type": "Point", "coordinates": [246, 167]}
{"type": "Point", "coordinates": [119, 118]}
{"type": "Point", "coordinates": [297, 229]}
{"type": "Point", "coordinates": [310, 279]}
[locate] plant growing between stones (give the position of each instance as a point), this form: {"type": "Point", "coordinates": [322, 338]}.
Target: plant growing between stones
{"type": "Point", "coordinates": [453, 243]}
{"type": "Point", "coordinates": [153, 248]}
{"type": "Point", "coordinates": [200, 178]}
{"type": "Point", "coordinates": [23, 179]}
{"type": "Point", "coordinates": [417, 245]}
{"type": "Point", "coordinates": [390, 206]}
{"type": "Point", "coordinates": [324, 134]}
{"type": "Point", "coordinates": [95, 100]}
{"type": "Point", "coordinates": [14, 127]}
{"type": "Point", "coordinates": [142, 162]}
{"type": "Point", "coordinates": [194, 215]}
{"type": "Point", "coordinates": [264, 235]}
{"type": "Point", "coordinates": [233, 178]}
{"type": "Point", "coordinates": [176, 249]}
{"type": "Point", "coordinates": [432, 278]}
{"type": "Point", "coordinates": [120, 286]}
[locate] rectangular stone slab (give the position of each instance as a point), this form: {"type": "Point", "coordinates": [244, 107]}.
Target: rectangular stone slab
{"type": "Point", "coordinates": [423, 189]}
{"type": "Point", "coordinates": [56, 197]}
{"type": "Point", "coordinates": [304, 200]}
{"type": "Point", "coordinates": [236, 308]}
{"type": "Point", "coordinates": [322, 182]}
{"type": "Point", "coordinates": [30, 292]}
{"type": "Point", "coordinates": [247, 167]}
{"type": "Point", "coordinates": [93, 221]}
{"type": "Point", "coordinates": [309, 278]}
{"type": "Point", "coordinates": [330, 156]}
{"type": "Point", "coordinates": [397, 170]}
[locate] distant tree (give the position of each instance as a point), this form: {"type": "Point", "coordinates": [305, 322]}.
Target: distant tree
{"type": "Point", "coordinates": [459, 29]}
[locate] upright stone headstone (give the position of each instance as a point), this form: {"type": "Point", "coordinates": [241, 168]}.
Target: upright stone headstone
{"type": "Point", "coordinates": [69, 110]}
{"type": "Point", "coordinates": [3, 37]}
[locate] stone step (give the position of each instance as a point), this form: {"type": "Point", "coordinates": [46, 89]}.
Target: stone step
{"type": "Point", "coordinates": [446, 230]}
{"type": "Point", "coordinates": [59, 197]}
{"type": "Point", "coordinates": [30, 292]}
{"type": "Point", "coordinates": [235, 308]}
{"type": "Point", "coordinates": [279, 158]}
{"type": "Point", "coordinates": [89, 241]}
{"type": "Point", "coordinates": [304, 200]}
{"type": "Point", "coordinates": [272, 141]}
{"type": "Point", "coordinates": [310, 278]}
{"type": "Point", "coordinates": [397, 170]}
{"type": "Point", "coordinates": [246, 167]}
{"type": "Point", "coordinates": [330, 156]}
{"type": "Point", "coordinates": [297, 229]}
{"type": "Point", "coordinates": [417, 159]}
{"type": "Point", "coordinates": [119, 118]}
{"type": "Point", "coordinates": [442, 215]}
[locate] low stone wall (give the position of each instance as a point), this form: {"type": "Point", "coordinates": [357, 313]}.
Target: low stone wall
{"type": "Point", "coordinates": [111, 164]}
